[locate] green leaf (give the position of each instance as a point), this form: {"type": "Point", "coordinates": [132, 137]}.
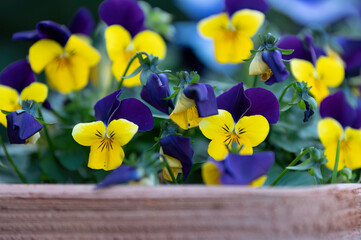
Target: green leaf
{"type": "Point", "coordinates": [195, 78]}
{"type": "Point", "coordinates": [307, 164]}
{"type": "Point", "coordinates": [52, 169]}
{"type": "Point", "coordinates": [133, 74]}
{"type": "Point", "coordinates": [173, 95]}
{"type": "Point", "coordinates": [286, 51]}
{"type": "Point", "coordinates": [5, 112]}
{"type": "Point", "coordinates": [72, 160]}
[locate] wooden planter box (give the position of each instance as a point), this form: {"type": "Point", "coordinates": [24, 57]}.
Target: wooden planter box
{"type": "Point", "coordinates": [179, 212]}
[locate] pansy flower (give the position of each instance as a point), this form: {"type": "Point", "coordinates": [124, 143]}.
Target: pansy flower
{"type": "Point", "coordinates": [341, 123]}
{"type": "Point", "coordinates": [122, 174]}
{"type": "Point", "coordinates": [238, 169]}
{"type": "Point", "coordinates": [66, 58]}
{"type": "Point", "coordinates": [17, 84]}
{"type": "Point", "coordinates": [232, 34]}
{"type": "Point", "coordinates": [116, 124]}
{"type": "Point", "coordinates": [195, 102]}
{"type": "Point", "coordinates": [126, 36]}
{"type": "Point", "coordinates": [155, 91]}
{"type": "Point", "coordinates": [178, 152]}
{"type": "Point", "coordinates": [328, 72]}
{"type": "Point", "coordinates": [351, 55]}
{"type": "Point", "coordinates": [243, 119]}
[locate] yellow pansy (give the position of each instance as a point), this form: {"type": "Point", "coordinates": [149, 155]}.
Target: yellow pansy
{"type": "Point", "coordinates": [232, 37]}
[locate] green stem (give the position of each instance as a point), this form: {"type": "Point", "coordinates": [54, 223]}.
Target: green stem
{"type": "Point", "coordinates": [50, 143]}
{"type": "Point", "coordinates": [126, 71]}
{"type": "Point", "coordinates": [21, 176]}
{"type": "Point", "coordinates": [63, 119]}
{"type": "Point", "coordinates": [255, 80]}
{"type": "Point", "coordinates": [284, 92]}
{"type": "Point", "coordinates": [334, 173]}
{"type": "Point", "coordinates": [290, 165]}
{"type": "Point", "coordinates": [169, 170]}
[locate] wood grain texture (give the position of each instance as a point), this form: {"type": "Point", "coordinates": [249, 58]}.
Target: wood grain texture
{"type": "Point", "coordinates": [179, 212]}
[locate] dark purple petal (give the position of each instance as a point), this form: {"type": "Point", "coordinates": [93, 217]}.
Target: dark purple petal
{"type": "Point", "coordinates": [47, 105]}
{"type": "Point", "coordinates": [180, 148]}
{"type": "Point", "coordinates": [54, 31]}
{"type": "Point", "coordinates": [134, 111]}
{"type": "Point", "coordinates": [234, 101]}
{"type": "Point", "coordinates": [106, 106]}
{"type": "Point", "coordinates": [243, 169]}
{"type": "Point", "coordinates": [126, 13]}
{"type": "Point", "coordinates": [203, 96]}
{"type": "Point", "coordinates": [155, 90]}
{"type": "Point", "coordinates": [123, 174]}
{"type": "Point", "coordinates": [31, 35]}
{"type": "Point", "coordinates": [263, 102]}
{"type": "Point", "coordinates": [233, 6]}
{"type": "Point", "coordinates": [301, 49]}
{"type": "Point", "coordinates": [357, 122]}
{"type": "Point", "coordinates": [18, 75]}
{"type": "Point", "coordinates": [336, 106]}
{"type": "Point", "coordinates": [351, 55]}
{"type": "Point", "coordinates": [21, 127]}
{"type": "Point", "coordinates": [274, 61]}
{"type": "Point", "coordinates": [83, 22]}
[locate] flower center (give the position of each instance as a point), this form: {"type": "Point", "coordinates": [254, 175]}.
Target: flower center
{"type": "Point", "coordinates": [266, 75]}
{"type": "Point", "coordinates": [106, 142]}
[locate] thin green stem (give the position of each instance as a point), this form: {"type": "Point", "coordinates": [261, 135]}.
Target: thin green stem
{"type": "Point", "coordinates": [21, 176]}
{"type": "Point", "coordinates": [63, 119]}
{"type": "Point", "coordinates": [284, 92]}
{"type": "Point", "coordinates": [126, 71]}
{"type": "Point", "coordinates": [334, 173]}
{"type": "Point", "coordinates": [50, 143]}
{"type": "Point", "coordinates": [255, 80]}
{"type": "Point", "coordinates": [169, 170]}
{"type": "Point", "coordinates": [290, 165]}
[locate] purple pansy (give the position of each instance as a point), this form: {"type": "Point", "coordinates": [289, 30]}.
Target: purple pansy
{"type": "Point", "coordinates": [351, 55]}
{"type": "Point", "coordinates": [122, 174]}
{"type": "Point", "coordinates": [239, 169]}
{"type": "Point", "coordinates": [274, 61]}
{"type": "Point", "coordinates": [18, 75]}
{"type": "Point", "coordinates": [110, 108]}
{"type": "Point", "coordinates": [21, 126]}
{"type": "Point", "coordinates": [233, 6]}
{"type": "Point", "coordinates": [179, 148]}
{"type": "Point", "coordinates": [337, 107]}
{"type": "Point", "coordinates": [203, 96]}
{"type": "Point", "coordinates": [82, 22]}
{"type": "Point", "coordinates": [253, 101]}
{"type": "Point", "coordinates": [126, 13]}
{"type": "Point", "coordinates": [155, 90]}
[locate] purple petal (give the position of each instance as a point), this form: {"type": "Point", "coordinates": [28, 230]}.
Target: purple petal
{"type": "Point", "coordinates": [106, 106]}
{"type": "Point", "coordinates": [234, 101]}
{"type": "Point", "coordinates": [357, 122]}
{"type": "Point", "coordinates": [203, 96]}
{"type": "Point", "coordinates": [21, 127]}
{"type": "Point", "coordinates": [263, 102]}
{"type": "Point", "coordinates": [54, 31]}
{"type": "Point", "coordinates": [18, 75]}
{"type": "Point", "coordinates": [122, 174]}
{"type": "Point", "coordinates": [126, 13]}
{"type": "Point", "coordinates": [243, 169]}
{"type": "Point", "coordinates": [83, 22]}
{"type": "Point", "coordinates": [337, 107]}
{"type": "Point", "coordinates": [31, 35]}
{"type": "Point", "coordinates": [155, 90]}
{"type": "Point", "coordinates": [233, 6]}
{"type": "Point", "coordinates": [351, 55]}
{"type": "Point", "coordinates": [274, 61]}
{"type": "Point", "coordinates": [180, 148]}
{"type": "Point", "coordinates": [134, 111]}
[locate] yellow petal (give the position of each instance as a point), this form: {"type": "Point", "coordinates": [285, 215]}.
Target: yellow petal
{"type": "Point", "coordinates": [232, 47]}
{"type": "Point", "coordinates": [8, 101]}
{"type": "Point", "coordinates": [302, 70]}
{"type": "Point", "coordinates": [330, 71]}
{"type": "Point", "coordinates": [212, 26]}
{"type": "Point", "coordinates": [79, 47]}
{"type": "Point", "coordinates": [42, 53]}
{"type": "Point", "coordinates": [117, 40]}
{"type": "Point", "coordinates": [105, 156]}
{"type": "Point", "coordinates": [216, 125]}
{"type": "Point", "coordinates": [330, 153]}
{"type": "Point", "coordinates": [88, 133]}
{"type": "Point", "coordinates": [254, 129]}
{"type": "Point", "coordinates": [210, 174]}
{"type": "Point", "coordinates": [175, 166]}
{"type": "Point", "coordinates": [151, 43]}
{"type": "Point", "coordinates": [259, 181]}
{"type": "Point", "coordinates": [258, 66]}
{"type": "Point", "coordinates": [119, 67]}
{"type": "Point", "coordinates": [121, 130]}
{"type": "Point", "coordinates": [319, 90]}
{"type": "Point", "coordinates": [36, 91]}
{"type": "Point", "coordinates": [351, 146]}
{"type": "Point", "coordinates": [217, 149]}
{"type": "Point", "coordinates": [330, 131]}
{"type": "Point", "coordinates": [247, 21]}
{"type": "Point", "coordinates": [68, 73]}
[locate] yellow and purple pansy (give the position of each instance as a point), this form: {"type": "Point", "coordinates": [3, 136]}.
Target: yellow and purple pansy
{"type": "Point", "coordinates": [126, 35]}
{"type": "Point", "coordinates": [116, 124]}
{"type": "Point", "coordinates": [341, 123]}
{"type": "Point", "coordinates": [238, 169]}
{"type": "Point", "coordinates": [195, 102]}
{"type": "Point", "coordinates": [243, 119]}
{"type": "Point", "coordinates": [155, 91]}
{"type": "Point", "coordinates": [122, 174]}
{"type": "Point", "coordinates": [179, 153]}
